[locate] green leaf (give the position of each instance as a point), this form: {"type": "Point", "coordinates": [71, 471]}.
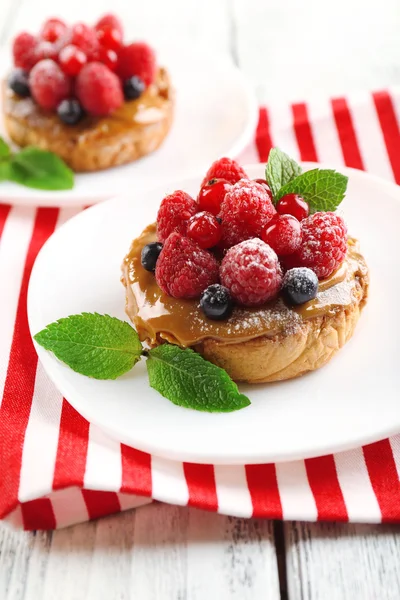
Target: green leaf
{"type": "Point", "coordinates": [40, 169]}
{"type": "Point", "coordinates": [98, 346]}
{"type": "Point", "coordinates": [185, 378]}
{"type": "Point", "coordinates": [280, 170]}
{"type": "Point", "coordinates": [5, 150]}
{"type": "Point", "coordinates": [4, 170]}
{"type": "Point", "coordinates": [323, 189]}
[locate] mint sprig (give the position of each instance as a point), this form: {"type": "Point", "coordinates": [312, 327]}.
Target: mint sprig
{"type": "Point", "coordinates": [280, 170]}
{"type": "Point", "coordinates": [103, 347]}
{"type": "Point", "coordinates": [322, 189]}
{"type": "Point", "coordinates": [35, 168]}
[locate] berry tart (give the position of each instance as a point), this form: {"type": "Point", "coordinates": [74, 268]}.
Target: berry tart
{"type": "Point", "coordinates": [83, 94]}
{"type": "Point", "coordinates": [258, 276]}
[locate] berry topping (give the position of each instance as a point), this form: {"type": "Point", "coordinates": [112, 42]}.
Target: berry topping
{"type": "Point", "coordinates": [174, 213]}
{"type": "Point", "coordinates": [49, 85]}
{"type": "Point", "coordinates": [52, 30]}
{"type": "Point", "coordinates": [110, 37]}
{"type": "Point", "coordinates": [110, 20]}
{"type": "Point", "coordinates": [251, 272]}
{"type": "Point", "coordinates": [204, 229]}
{"type": "Point", "coordinates": [184, 269]}
{"type": "Point", "coordinates": [324, 244]}
{"type": "Point", "coordinates": [24, 51]}
{"type": "Point", "coordinates": [71, 60]}
{"type": "Point", "coordinates": [150, 254]}
{"type": "Point", "coordinates": [45, 50]}
{"type": "Point", "coordinates": [299, 285]}
{"type": "Point", "coordinates": [245, 212]}
{"type": "Point", "coordinates": [137, 59]}
{"type": "Point", "coordinates": [84, 37]}
{"type": "Point", "coordinates": [18, 82]}
{"type": "Point", "coordinates": [283, 234]}
{"type": "Point", "coordinates": [293, 204]}
{"type": "Point", "coordinates": [70, 111]}
{"type": "Point", "coordinates": [264, 183]}
{"type": "Point", "coordinates": [225, 168]}
{"type": "Point", "coordinates": [216, 302]}
{"type": "Point", "coordinates": [133, 88]}
{"type": "Point", "coordinates": [212, 194]}
{"type": "Point", "coordinates": [98, 89]}
{"type": "Point", "coordinates": [107, 57]}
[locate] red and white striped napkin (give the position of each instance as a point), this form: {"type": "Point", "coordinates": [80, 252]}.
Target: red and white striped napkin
{"type": "Point", "coordinates": [56, 469]}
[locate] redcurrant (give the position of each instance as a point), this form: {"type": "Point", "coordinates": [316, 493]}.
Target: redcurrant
{"type": "Point", "coordinates": [283, 234]}
{"type": "Point", "coordinates": [107, 57]}
{"type": "Point", "coordinates": [212, 194]}
{"type": "Point", "coordinates": [71, 59]}
{"type": "Point", "coordinates": [293, 204]}
{"type": "Point", "coordinates": [204, 229]}
{"type": "Point", "coordinates": [52, 30]}
{"type": "Point", "coordinates": [110, 38]}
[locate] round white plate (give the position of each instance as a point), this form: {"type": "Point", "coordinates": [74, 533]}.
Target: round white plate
{"type": "Point", "coordinates": [216, 115]}
{"type": "Point", "coordinates": [351, 401]}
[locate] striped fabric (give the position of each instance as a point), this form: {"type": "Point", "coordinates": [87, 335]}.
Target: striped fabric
{"type": "Point", "coordinates": [57, 469]}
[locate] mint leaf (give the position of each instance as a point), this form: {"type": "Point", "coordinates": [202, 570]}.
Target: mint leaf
{"type": "Point", "coordinates": [280, 170]}
{"type": "Point", "coordinates": [98, 346]}
{"type": "Point", "coordinates": [322, 189]}
{"type": "Point", "coordinates": [186, 379]}
{"type": "Point", "coordinates": [4, 170]}
{"type": "Point", "coordinates": [5, 151]}
{"type": "Point", "coordinates": [40, 169]}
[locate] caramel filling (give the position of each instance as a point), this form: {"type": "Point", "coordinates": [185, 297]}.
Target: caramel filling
{"type": "Point", "coordinates": [158, 316]}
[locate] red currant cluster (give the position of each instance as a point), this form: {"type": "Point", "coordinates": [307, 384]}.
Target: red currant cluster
{"type": "Point", "coordinates": [81, 68]}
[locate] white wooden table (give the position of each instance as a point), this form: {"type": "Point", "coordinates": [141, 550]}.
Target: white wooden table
{"type": "Point", "coordinates": [289, 50]}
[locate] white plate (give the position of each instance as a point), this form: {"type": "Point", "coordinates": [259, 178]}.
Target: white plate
{"type": "Point", "coordinates": [216, 115]}
{"type": "Point", "coordinates": [351, 401]}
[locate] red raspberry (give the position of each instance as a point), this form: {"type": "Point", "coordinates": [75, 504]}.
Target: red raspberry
{"type": "Point", "coordinates": [48, 84]}
{"type": "Point", "coordinates": [184, 270]}
{"type": "Point", "coordinates": [225, 168]}
{"type": "Point", "coordinates": [52, 30]}
{"type": "Point", "coordinates": [110, 37]}
{"type": "Point", "coordinates": [324, 244]}
{"type": "Point", "coordinates": [293, 204]}
{"type": "Point", "coordinates": [110, 20]}
{"type": "Point", "coordinates": [71, 60]}
{"type": "Point", "coordinates": [245, 212]}
{"type": "Point", "coordinates": [98, 89]}
{"type": "Point", "coordinates": [283, 234]}
{"type": "Point", "coordinates": [24, 51]}
{"type": "Point", "coordinates": [264, 183]}
{"type": "Point", "coordinates": [212, 194]}
{"type": "Point", "coordinates": [174, 213]}
{"type": "Point", "coordinates": [45, 50]}
{"type": "Point", "coordinates": [251, 272]}
{"type": "Point", "coordinates": [107, 57]}
{"type": "Point", "coordinates": [204, 229]}
{"type": "Point", "coordinates": [137, 59]}
{"type": "Point", "coordinates": [84, 37]}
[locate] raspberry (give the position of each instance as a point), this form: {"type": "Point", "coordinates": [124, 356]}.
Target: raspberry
{"type": "Point", "coordinates": [24, 51]}
{"type": "Point", "coordinates": [225, 168]}
{"type": "Point", "coordinates": [245, 212]}
{"type": "Point", "coordinates": [293, 204]}
{"type": "Point", "coordinates": [84, 37]}
{"type": "Point", "coordinates": [110, 20]}
{"type": "Point", "coordinates": [137, 59]}
{"type": "Point", "coordinates": [251, 272]}
{"type": "Point", "coordinates": [110, 37]}
{"type": "Point", "coordinates": [212, 194]}
{"type": "Point", "coordinates": [204, 229]}
{"type": "Point", "coordinates": [52, 30]}
{"type": "Point", "coordinates": [45, 50]}
{"type": "Point", "coordinates": [49, 85]}
{"type": "Point", "coordinates": [98, 89]}
{"type": "Point", "coordinates": [174, 212]}
{"type": "Point", "coordinates": [264, 183]}
{"type": "Point", "coordinates": [324, 244]}
{"type": "Point", "coordinates": [183, 269]}
{"type": "Point", "coordinates": [283, 234]}
{"type": "Point", "coordinates": [71, 60]}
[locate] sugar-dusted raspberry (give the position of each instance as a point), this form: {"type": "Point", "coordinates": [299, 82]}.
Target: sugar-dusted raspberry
{"type": "Point", "coordinates": [225, 168]}
{"type": "Point", "coordinates": [174, 213]}
{"type": "Point", "coordinates": [98, 89]}
{"type": "Point", "coordinates": [245, 212]}
{"type": "Point", "coordinates": [137, 59]}
{"type": "Point", "coordinates": [52, 30]}
{"type": "Point", "coordinates": [251, 272]}
{"type": "Point", "coordinates": [84, 37]}
{"type": "Point", "coordinates": [48, 84]}
{"type": "Point", "coordinates": [24, 51]}
{"type": "Point", "coordinates": [45, 50]}
{"type": "Point", "coordinates": [109, 20]}
{"type": "Point", "coordinates": [183, 269]}
{"type": "Point", "coordinates": [283, 234]}
{"type": "Point", "coordinates": [324, 244]}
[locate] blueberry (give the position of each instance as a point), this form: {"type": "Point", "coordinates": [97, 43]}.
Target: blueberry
{"type": "Point", "coordinates": [18, 82]}
{"type": "Point", "coordinates": [133, 88]}
{"type": "Point", "coordinates": [150, 254]}
{"type": "Point", "coordinates": [70, 111]}
{"type": "Point", "coordinates": [299, 285]}
{"type": "Point", "coordinates": [216, 302]}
